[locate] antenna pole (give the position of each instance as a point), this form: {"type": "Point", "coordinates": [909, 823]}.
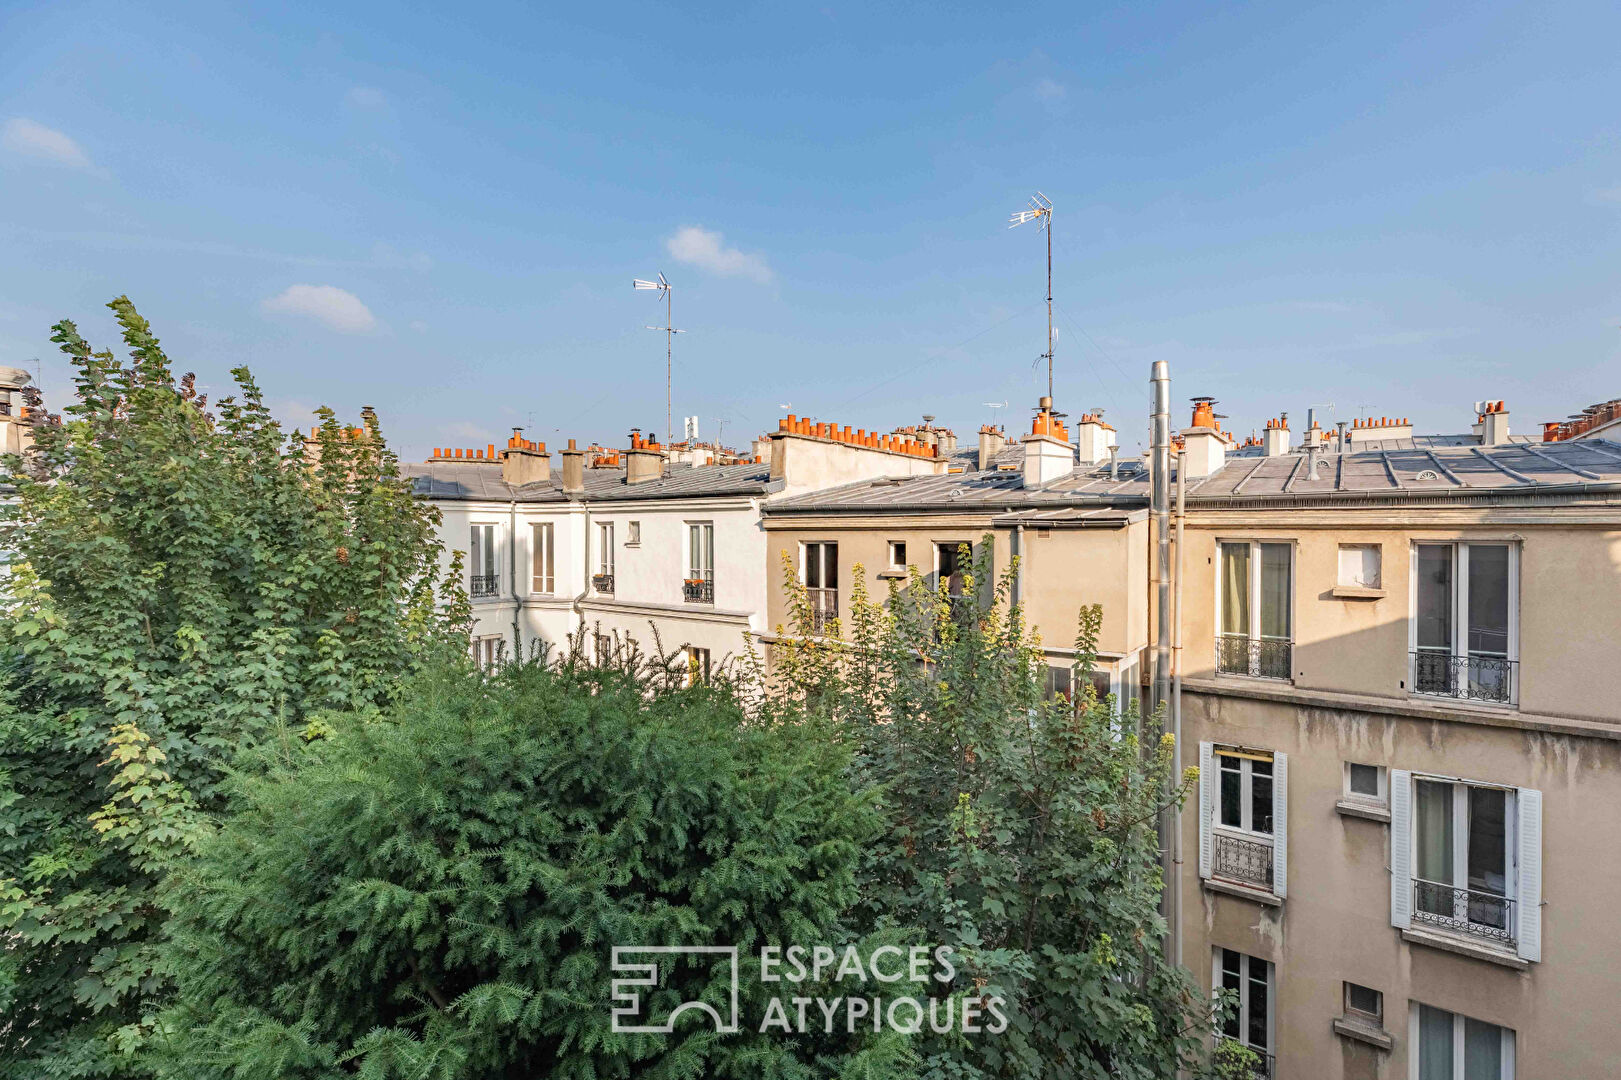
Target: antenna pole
{"type": "Point", "coordinates": [669, 363]}
{"type": "Point", "coordinates": [1049, 304]}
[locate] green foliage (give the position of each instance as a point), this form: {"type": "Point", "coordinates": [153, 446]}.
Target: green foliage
{"type": "Point", "coordinates": [437, 895]}
{"type": "Point", "coordinates": [182, 586]}
{"type": "Point", "coordinates": [1019, 828]}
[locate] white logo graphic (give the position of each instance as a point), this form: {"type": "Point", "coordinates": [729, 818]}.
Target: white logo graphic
{"type": "Point", "coordinates": [628, 1007]}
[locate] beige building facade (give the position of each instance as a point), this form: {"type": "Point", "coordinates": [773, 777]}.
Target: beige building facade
{"type": "Point", "coordinates": [1400, 682]}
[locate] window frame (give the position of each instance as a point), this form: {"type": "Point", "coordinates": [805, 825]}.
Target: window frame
{"type": "Point", "coordinates": [1374, 1019]}
{"type": "Point", "coordinates": [1379, 563]}
{"type": "Point", "coordinates": [821, 549]}
{"type": "Point", "coordinates": [1459, 614]}
{"type": "Point", "coordinates": [698, 665]}
{"type": "Point", "coordinates": [1507, 1066]}
{"type": "Point", "coordinates": [633, 533]}
{"type": "Point", "coordinates": [1460, 847]}
{"type": "Point", "coordinates": [1246, 963]}
{"type": "Point", "coordinates": [1255, 620]}
{"type": "Point", "coordinates": [1246, 791]}
{"type": "Point", "coordinates": [605, 547]}
{"type": "Point", "coordinates": [1382, 799]}
{"type": "Point", "coordinates": [695, 571]}
{"type": "Point", "coordinates": [891, 547]}
{"type": "Point", "coordinates": [543, 558]}
{"type": "Point", "coordinates": [494, 551]}
{"type": "Point", "coordinates": [487, 650]}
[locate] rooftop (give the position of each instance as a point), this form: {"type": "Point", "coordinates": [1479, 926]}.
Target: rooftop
{"type": "Point", "coordinates": [474, 481]}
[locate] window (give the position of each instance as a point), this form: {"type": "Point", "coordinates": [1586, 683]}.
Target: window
{"type": "Point", "coordinates": [1243, 817]}
{"type": "Point", "coordinates": [1249, 979]}
{"type": "Point", "coordinates": [952, 562]}
{"type": "Point", "coordinates": [1359, 566]}
{"type": "Point", "coordinates": [1466, 621]}
{"type": "Point", "coordinates": [1365, 783]}
{"type": "Point", "coordinates": [604, 647]}
{"type": "Point", "coordinates": [697, 665]}
{"type": "Point", "coordinates": [1453, 1047]}
{"type": "Point", "coordinates": [897, 554]}
{"type": "Point", "coordinates": [1365, 1005]}
{"type": "Point", "coordinates": [605, 548]}
{"type": "Point", "coordinates": [1256, 592]}
{"type": "Point", "coordinates": [699, 586]}
{"type": "Point", "coordinates": [820, 568]}
{"type": "Point", "coordinates": [488, 651]}
{"type": "Point", "coordinates": [1466, 859]}
{"type": "Point", "coordinates": [633, 533]}
{"type": "Point", "coordinates": [543, 556]}
{"type": "Point", "coordinates": [483, 577]}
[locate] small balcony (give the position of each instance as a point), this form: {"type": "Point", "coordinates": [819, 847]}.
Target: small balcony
{"type": "Point", "coordinates": [1491, 679]}
{"type": "Point", "coordinates": [1256, 657]}
{"type": "Point", "coordinates": [824, 605]}
{"type": "Point", "coordinates": [1474, 912]}
{"type": "Point", "coordinates": [481, 586]}
{"type": "Point", "coordinates": [1243, 860]}
{"type": "Point", "coordinates": [699, 589]}
{"type": "Point", "coordinates": [603, 584]}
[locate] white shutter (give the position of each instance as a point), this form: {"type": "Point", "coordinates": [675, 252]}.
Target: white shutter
{"type": "Point", "coordinates": [1280, 824]}
{"type": "Point", "coordinates": [1206, 793]}
{"type": "Point", "coordinates": [1528, 902]}
{"type": "Point", "coordinates": [1401, 848]}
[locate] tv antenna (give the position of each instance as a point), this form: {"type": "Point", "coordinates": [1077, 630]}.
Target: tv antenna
{"type": "Point", "coordinates": [663, 286]}
{"type": "Point", "coordinates": [720, 426]}
{"type": "Point", "coordinates": [1041, 210]}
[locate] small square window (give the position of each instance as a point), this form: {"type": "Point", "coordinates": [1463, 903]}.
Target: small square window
{"type": "Point", "coordinates": [1365, 1004]}
{"type": "Point", "coordinates": [633, 533]}
{"type": "Point", "coordinates": [1365, 783]}
{"type": "Point", "coordinates": [897, 554]}
{"type": "Point", "coordinates": [1359, 566]}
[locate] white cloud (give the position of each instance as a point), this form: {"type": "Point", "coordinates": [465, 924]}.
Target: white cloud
{"type": "Point", "coordinates": [41, 143]}
{"type": "Point", "coordinates": [704, 249]}
{"type": "Point", "coordinates": [1050, 90]}
{"type": "Point", "coordinates": [366, 97]}
{"type": "Point", "coordinates": [334, 307]}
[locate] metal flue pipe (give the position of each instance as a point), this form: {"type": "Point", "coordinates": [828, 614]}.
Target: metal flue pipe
{"type": "Point", "coordinates": [1160, 508]}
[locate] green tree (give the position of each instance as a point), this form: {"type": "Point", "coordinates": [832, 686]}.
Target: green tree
{"type": "Point", "coordinates": [183, 585]}
{"type": "Point", "coordinates": [1019, 826]}
{"type": "Point", "coordinates": [438, 895]}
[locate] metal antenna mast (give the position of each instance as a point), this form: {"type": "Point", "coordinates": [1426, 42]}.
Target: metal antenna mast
{"type": "Point", "coordinates": [670, 331]}
{"type": "Point", "coordinates": [1041, 209]}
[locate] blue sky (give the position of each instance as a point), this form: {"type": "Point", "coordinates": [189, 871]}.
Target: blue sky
{"type": "Point", "coordinates": [1397, 208]}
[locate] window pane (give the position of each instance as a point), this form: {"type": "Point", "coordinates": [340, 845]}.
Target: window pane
{"type": "Point", "coordinates": [1261, 797]}
{"type": "Point", "coordinates": [1365, 780]}
{"type": "Point", "coordinates": [1363, 999]}
{"type": "Point", "coordinates": [475, 554]}
{"type": "Point", "coordinates": [1232, 980]}
{"type": "Point", "coordinates": [897, 554]}
{"type": "Point", "coordinates": [1488, 844]}
{"type": "Point", "coordinates": [1235, 589]}
{"type": "Point", "coordinates": [1257, 1033]}
{"type": "Point", "coordinates": [1435, 597]}
{"type": "Point", "coordinates": [830, 566]}
{"type": "Point", "coordinates": [813, 566]}
{"type": "Point", "coordinates": [1231, 793]}
{"type": "Point", "coordinates": [1275, 590]}
{"type": "Point", "coordinates": [1433, 820]}
{"type": "Point", "coordinates": [1488, 599]}
{"type": "Point", "coordinates": [1434, 1044]}
{"type": "Point", "coordinates": [1482, 1051]}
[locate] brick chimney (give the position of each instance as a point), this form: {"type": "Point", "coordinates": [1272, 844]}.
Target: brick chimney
{"type": "Point", "coordinates": [524, 462]}
{"type": "Point", "coordinates": [1204, 441]}
{"type": "Point", "coordinates": [1047, 452]}
{"type": "Point", "coordinates": [991, 442]}
{"type": "Point", "coordinates": [807, 455]}
{"type": "Point", "coordinates": [573, 470]}
{"type": "Point", "coordinates": [645, 459]}
{"type": "Point", "coordinates": [1377, 428]}
{"type": "Point", "coordinates": [1494, 424]}
{"type": "Point", "coordinates": [1276, 439]}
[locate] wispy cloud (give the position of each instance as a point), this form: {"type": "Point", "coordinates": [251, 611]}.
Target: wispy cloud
{"type": "Point", "coordinates": [366, 97]}
{"type": "Point", "coordinates": [329, 305]}
{"type": "Point", "coordinates": [1608, 195]}
{"type": "Point", "coordinates": [388, 257]}
{"type": "Point", "coordinates": [28, 139]}
{"type": "Point", "coordinates": [705, 249]}
{"type": "Point", "coordinates": [1050, 90]}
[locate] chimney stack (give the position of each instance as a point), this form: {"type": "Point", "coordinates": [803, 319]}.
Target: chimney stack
{"type": "Point", "coordinates": [1276, 440]}
{"type": "Point", "coordinates": [1047, 452]}
{"type": "Point", "coordinates": [1206, 445]}
{"type": "Point", "coordinates": [573, 470]}
{"type": "Point", "coordinates": [1494, 424]}
{"type": "Point", "coordinates": [644, 460]}
{"type": "Point", "coordinates": [524, 462]}
{"type": "Point", "coordinates": [991, 442]}
{"type": "Point", "coordinates": [1093, 438]}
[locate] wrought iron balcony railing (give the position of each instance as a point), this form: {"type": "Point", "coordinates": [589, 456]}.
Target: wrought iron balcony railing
{"type": "Point", "coordinates": [699, 590]}
{"type": "Point", "coordinates": [1257, 657]}
{"type": "Point", "coordinates": [483, 585]}
{"type": "Point", "coordinates": [603, 583]}
{"type": "Point", "coordinates": [1471, 677]}
{"type": "Point", "coordinates": [1248, 862]}
{"type": "Point", "coordinates": [1468, 911]}
{"type": "Point", "coordinates": [824, 605]}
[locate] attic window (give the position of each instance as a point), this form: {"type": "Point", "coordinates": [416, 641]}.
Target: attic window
{"type": "Point", "coordinates": [1428, 474]}
{"type": "Point", "coordinates": [1007, 468]}
{"type": "Point", "coordinates": [886, 481]}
